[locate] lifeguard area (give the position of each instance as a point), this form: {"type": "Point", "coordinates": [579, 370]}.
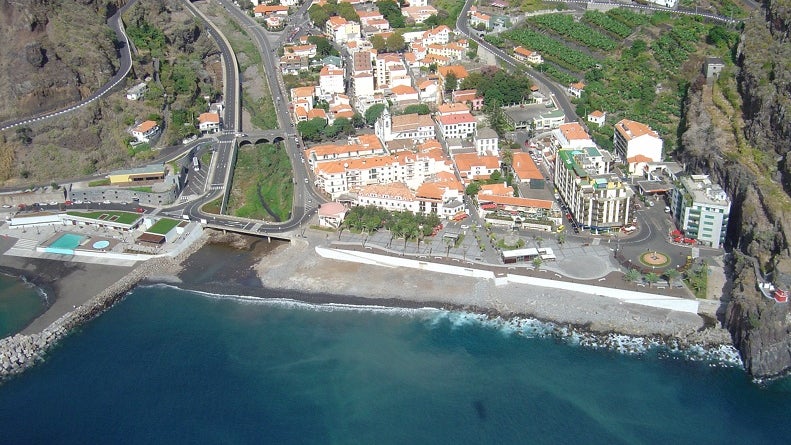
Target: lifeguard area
{"type": "Point", "coordinates": [109, 237]}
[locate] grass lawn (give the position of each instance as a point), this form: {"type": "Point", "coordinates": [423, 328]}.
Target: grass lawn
{"type": "Point", "coordinates": [120, 217]}
{"type": "Point", "coordinates": [263, 184]}
{"type": "Point", "coordinates": [213, 206]}
{"type": "Point", "coordinates": [163, 226]}
{"type": "Point", "coordinates": [99, 183]}
{"type": "Point", "coordinates": [141, 189]}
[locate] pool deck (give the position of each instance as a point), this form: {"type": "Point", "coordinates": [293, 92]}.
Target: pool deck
{"type": "Point", "coordinates": [122, 249]}
{"type": "Point", "coordinates": [86, 245]}
{"type": "Point", "coordinates": [32, 243]}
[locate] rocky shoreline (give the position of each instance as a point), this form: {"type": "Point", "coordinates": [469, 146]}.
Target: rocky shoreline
{"type": "Point", "coordinates": [291, 270]}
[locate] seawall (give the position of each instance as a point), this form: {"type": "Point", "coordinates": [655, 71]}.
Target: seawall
{"type": "Point", "coordinates": [20, 351]}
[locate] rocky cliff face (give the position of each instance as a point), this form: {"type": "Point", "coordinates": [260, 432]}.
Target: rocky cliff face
{"type": "Point", "coordinates": [747, 152]}
{"type": "Point", "coordinates": [54, 52]}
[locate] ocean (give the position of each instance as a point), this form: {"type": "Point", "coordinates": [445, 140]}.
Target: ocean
{"type": "Point", "coordinates": [20, 303]}
{"type": "Point", "coordinates": [171, 366]}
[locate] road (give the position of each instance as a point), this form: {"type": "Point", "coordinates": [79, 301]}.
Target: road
{"type": "Point", "coordinates": [306, 198]}
{"type": "Point", "coordinates": [558, 93]}
{"type": "Point", "coordinates": [125, 59]}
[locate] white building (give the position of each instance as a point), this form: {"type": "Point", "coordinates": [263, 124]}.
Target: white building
{"type": "Point", "coordinates": [137, 92]}
{"type": "Point", "coordinates": [331, 80]}
{"type": "Point", "coordinates": [209, 122]}
{"type": "Point", "coordinates": [341, 30]}
{"type": "Point", "coordinates": [407, 126]}
{"type": "Point", "coordinates": [523, 54]}
{"type": "Point", "coordinates": [576, 89]}
{"type": "Point", "coordinates": [394, 196]}
{"type": "Point", "coordinates": [144, 131]}
{"type": "Point", "coordinates": [633, 138]}
{"type": "Point", "coordinates": [338, 177]}
{"type": "Point", "coordinates": [487, 142]}
{"type": "Point", "coordinates": [596, 198]}
{"type": "Point", "coordinates": [597, 117]}
{"type": "Point", "coordinates": [665, 3]}
{"type": "Point", "coordinates": [457, 125]}
{"type": "Point", "coordinates": [572, 135]}
{"type": "Point", "coordinates": [701, 209]}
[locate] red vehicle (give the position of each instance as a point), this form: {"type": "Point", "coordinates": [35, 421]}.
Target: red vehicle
{"type": "Point", "coordinates": [140, 210]}
{"type": "Point", "coordinates": [689, 241]}
{"type": "Point", "coordinates": [68, 203]}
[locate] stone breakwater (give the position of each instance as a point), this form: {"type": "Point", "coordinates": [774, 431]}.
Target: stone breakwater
{"type": "Point", "coordinates": [19, 352]}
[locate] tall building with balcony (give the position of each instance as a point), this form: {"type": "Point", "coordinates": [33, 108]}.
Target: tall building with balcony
{"type": "Point", "coordinates": [597, 199]}
{"type": "Point", "coordinates": [701, 209]}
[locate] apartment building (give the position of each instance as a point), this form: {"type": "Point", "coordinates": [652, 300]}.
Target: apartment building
{"type": "Point", "coordinates": [701, 209]}
{"type": "Point", "coordinates": [597, 199]}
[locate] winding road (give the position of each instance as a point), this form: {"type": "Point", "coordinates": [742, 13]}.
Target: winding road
{"type": "Point", "coordinates": [125, 58]}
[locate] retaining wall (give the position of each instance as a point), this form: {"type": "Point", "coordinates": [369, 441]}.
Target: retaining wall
{"type": "Point", "coordinates": [627, 296]}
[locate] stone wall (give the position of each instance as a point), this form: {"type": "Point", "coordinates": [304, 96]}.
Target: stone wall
{"type": "Point", "coordinates": [19, 352]}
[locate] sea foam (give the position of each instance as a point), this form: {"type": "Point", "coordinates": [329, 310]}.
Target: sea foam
{"type": "Point", "coordinates": [720, 355]}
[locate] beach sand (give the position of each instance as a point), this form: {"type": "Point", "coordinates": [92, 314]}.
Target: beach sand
{"type": "Point", "coordinates": [67, 284]}
{"type": "Point", "coordinates": [297, 267]}
{"type": "Point", "coordinates": [234, 264]}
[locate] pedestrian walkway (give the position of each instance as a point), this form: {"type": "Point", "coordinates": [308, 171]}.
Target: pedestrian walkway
{"type": "Point", "coordinates": [25, 244]}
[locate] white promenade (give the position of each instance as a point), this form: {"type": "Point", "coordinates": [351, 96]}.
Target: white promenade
{"type": "Point", "coordinates": [625, 296]}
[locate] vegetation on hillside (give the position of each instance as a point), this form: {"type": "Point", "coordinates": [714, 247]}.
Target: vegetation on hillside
{"type": "Point", "coordinates": [173, 54]}
{"type": "Point", "coordinates": [94, 138]}
{"type": "Point", "coordinates": [645, 79]}
{"type": "Point", "coordinates": [256, 98]}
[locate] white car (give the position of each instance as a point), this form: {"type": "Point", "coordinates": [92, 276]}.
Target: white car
{"type": "Point", "coordinates": [7, 206]}
{"type": "Point", "coordinates": [78, 202]}
{"type": "Point", "coordinates": [106, 202]}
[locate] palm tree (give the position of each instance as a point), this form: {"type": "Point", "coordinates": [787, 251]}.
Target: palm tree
{"type": "Point", "coordinates": [651, 278]}
{"type": "Point", "coordinates": [632, 275]}
{"type": "Point", "coordinates": [561, 238]}
{"type": "Point", "coordinates": [538, 240]}
{"type": "Point", "coordinates": [671, 275]}
{"type": "Point", "coordinates": [448, 244]}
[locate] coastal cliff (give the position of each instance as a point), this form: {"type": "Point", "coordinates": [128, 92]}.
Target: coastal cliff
{"type": "Point", "coordinates": [737, 131]}
{"type": "Point", "coordinates": [54, 53]}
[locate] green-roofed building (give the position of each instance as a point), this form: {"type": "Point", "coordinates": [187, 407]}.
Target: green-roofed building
{"type": "Point", "coordinates": [596, 198]}
{"type": "Point", "coordinates": [113, 219]}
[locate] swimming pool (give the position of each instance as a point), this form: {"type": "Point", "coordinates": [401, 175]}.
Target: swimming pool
{"type": "Point", "coordinates": [65, 244]}
{"type": "Point", "coordinates": [101, 244]}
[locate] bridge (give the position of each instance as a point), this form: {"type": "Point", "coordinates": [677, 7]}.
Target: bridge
{"type": "Point", "coordinates": [262, 137]}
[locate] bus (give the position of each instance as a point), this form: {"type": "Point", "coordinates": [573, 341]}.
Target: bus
{"type": "Point", "coordinates": [195, 164]}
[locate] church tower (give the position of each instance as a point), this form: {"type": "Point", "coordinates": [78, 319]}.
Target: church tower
{"type": "Point", "coordinates": [384, 126]}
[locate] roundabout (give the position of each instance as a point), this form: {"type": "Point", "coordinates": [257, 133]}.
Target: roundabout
{"type": "Point", "coordinates": [654, 259]}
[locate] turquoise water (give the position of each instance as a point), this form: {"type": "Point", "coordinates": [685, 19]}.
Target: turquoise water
{"type": "Point", "coordinates": [65, 244]}
{"type": "Point", "coordinates": [20, 303]}
{"type": "Point", "coordinates": [168, 366]}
